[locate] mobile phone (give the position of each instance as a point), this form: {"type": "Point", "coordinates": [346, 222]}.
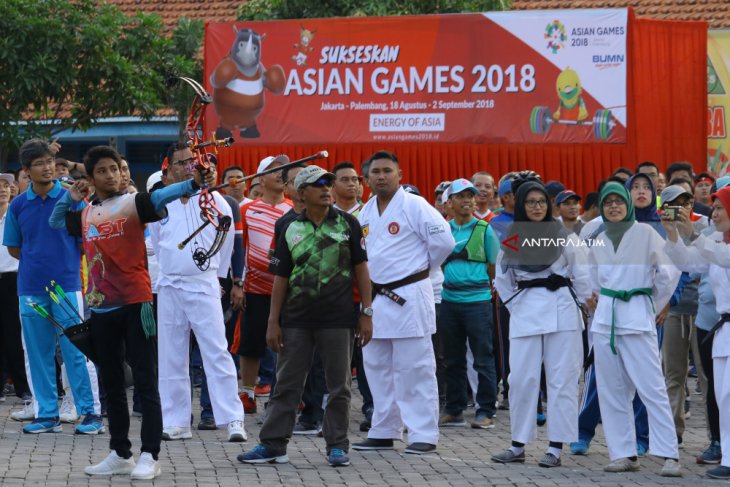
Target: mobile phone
{"type": "Point", "coordinates": [672, 212]}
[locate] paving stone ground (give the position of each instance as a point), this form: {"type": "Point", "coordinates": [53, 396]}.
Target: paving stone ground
{"type": "Point", "coordinates": [208, 460]}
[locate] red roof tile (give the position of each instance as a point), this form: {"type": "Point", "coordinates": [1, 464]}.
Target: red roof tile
{"type": "Point", "coordinates": [715, 12]}
{"type": "Point", "coordinates": [172, 10]}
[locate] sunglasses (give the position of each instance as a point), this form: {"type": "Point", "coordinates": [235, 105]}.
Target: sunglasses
{"type": "Point", "coordinates": [321, 183]}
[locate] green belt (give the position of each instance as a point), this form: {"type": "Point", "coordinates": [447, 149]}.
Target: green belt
{"type": "Point", "coordinates": [623, 296]}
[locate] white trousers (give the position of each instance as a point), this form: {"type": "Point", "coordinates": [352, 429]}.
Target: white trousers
{"type": "Point", "coordinates": [179, 312]}
{"type": "Point", "coordinates": [561, 352]}
{"type": "Point", "coordinates": [635, 368]}
{"type": "Point", "coordinates": [721, 366]}
{"type": "Point", "coordinates": [402, 377]}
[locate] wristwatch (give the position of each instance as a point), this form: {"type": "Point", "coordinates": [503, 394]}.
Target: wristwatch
{"type": "Point", "coordinates": [238, 283]}
{"type": "Point", "coordinates": [367, 311]}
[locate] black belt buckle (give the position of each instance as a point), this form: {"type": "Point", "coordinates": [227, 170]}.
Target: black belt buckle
{"type": "Point", "coordinates": [392, 296]}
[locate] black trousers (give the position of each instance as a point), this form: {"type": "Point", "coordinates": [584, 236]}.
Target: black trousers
{"type": "Point", "coordinates": [118, 336]}
{"type": "Point", "coordinates": [713, 413]}
{"type": "Point", "coordinates": [12, 357]}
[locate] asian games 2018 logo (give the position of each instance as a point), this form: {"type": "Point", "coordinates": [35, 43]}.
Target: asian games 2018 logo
{"type": "Point", "coordinates": [555, 33]}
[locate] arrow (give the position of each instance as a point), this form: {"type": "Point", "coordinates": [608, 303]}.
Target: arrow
{"type": "Point", "coordinates": [513, 239]}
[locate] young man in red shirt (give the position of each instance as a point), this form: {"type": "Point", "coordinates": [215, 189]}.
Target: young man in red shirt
{"type": "Point", "coordinates": [120, 297]}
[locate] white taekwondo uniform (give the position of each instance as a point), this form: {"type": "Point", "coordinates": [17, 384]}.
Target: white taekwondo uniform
{"type": "Point", "coordinates": [546, 328]}
{"type": "Point", "coordinates": [190, 299]}
{"type": "Point", "coordinates": [639, 262]}
{"type": "Point", "coordinates": [710, 254]}
{"type": "Point", "coordinates": [410, 236]}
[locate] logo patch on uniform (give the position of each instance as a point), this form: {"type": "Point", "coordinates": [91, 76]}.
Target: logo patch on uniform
{"type": "Point", "coordinates": [393, 228]}
{"type": "Point", "coordinates": [297, 238]}
{"type": "Point", "coordinates": [365, 230]}
{"type": "Point", "coordinates": [165, 220]}
{"type": "Point", "coordinates": [362, 243]}
{"type": "Point", "coordinates": [435, 229]}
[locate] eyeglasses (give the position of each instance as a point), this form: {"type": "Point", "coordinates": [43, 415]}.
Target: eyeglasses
{"type": "Point", "coordinates": [536, 204]}
{"type": "Point", "coordinates": [613, 202]}
{"type": "Point", "coordinates": [46, 163]}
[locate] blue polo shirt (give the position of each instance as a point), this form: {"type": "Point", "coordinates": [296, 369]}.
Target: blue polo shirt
{"type": "Point", "coordinates": [45, 254]}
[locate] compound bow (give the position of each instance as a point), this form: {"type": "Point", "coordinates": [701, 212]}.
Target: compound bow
{"type": "Point", "coordinates": [203, 156]}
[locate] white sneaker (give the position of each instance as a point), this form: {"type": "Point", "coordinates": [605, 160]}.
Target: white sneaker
{"type": "Point", "coordinates": [25, 414]}
{"type": "Point", "coordinates": [236, 432]}
{"type": "Point", "coordinates": [176, 433]}
{"type": "Point", "coordinates": [147, 468]}
{"type": "Point", "coordinates": [671, 468]}
{"type": "Point", "coordinates": [67, 412]}
{"type": "Point", "coordinates": [113, 464]}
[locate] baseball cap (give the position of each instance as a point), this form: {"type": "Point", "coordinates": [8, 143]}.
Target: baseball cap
{"type": "Point", "coordinates": [442, 187]}
{"type": "Point", "coordinates": [154, 178]}
{"type": "Point", "coordinates": [309, 175]}
{"type": "Point", "coordinates": [671, 193]}
{"type": "Point", "coordinates": [554, 188]}
{"type": "Point", "coordinates": [268, 161]}
{"type": "Point", "coordinates": [7, 177]}
{"type": "Point", "coordinates": [505, 187]}
{"type": "Point", "coordinates": [461, 185]}
{"type": "Point", "coordinates": [409, 188]}
{"type": "Point", "coordinates": [722, 182]}
{"type": "Point", "coordinates": [564, 195]}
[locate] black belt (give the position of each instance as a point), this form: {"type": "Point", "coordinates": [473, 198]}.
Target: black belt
{"type": "Point", "coordinates": [553, 282]}
{"type": "Point", "coordinates": [724, 318]}
{"type": "Point", "coordinates": [5, 275]}
{"type": "Point", "coordinates": [387, 289]}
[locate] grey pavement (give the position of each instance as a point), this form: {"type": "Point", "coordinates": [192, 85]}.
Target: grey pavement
{"type": "Point", "coordinates": [208, 460]}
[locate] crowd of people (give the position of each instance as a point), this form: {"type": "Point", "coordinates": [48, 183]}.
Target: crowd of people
{"type": "Point", "coordinates": [507, 293]}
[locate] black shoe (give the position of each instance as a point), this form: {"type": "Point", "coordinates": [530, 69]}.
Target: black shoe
{"type": "Point", "coordinates": [207, 424]}
{"type": "Point", "coordinates": [374, 444]}
{"type": "Point", "coordinates": [721, 472]}
{"type": "Point", "coordinates": [420, 448]}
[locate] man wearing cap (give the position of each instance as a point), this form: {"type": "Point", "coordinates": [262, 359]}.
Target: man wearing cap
{"type": "Point", "coordinates": [501, 222]}
{"type": "Point", "coordinates": [189, 300]}
{"type": "Point", "coordinates": [679, 325]}
{"type": "Point", "coordinates": [466, 310]}
{"type": "Point", "coordinates": [438, 192]}
{"type": "Point", "coordinates": [568, 203]}
{"type": "Point", "coordinates": [406, 237]}
{"type": "Point", "coordinates": [317, 259]}
{"type": "Point", "coordinates": [554, 188]}
{"type": "Point", "coordinates": [259, 218]}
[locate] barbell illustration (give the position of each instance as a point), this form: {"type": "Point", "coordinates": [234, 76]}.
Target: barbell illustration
{"type": "Point", "coordinates": [541, 119]}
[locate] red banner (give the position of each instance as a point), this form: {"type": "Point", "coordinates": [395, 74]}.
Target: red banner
{"type": "Point", "coordinates": [535, 77]}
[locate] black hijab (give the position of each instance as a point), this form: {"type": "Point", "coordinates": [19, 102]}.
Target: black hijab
{"type": "Point", "coordinates": [522, 230]}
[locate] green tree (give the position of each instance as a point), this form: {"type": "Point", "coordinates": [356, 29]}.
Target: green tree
{"type": "Point", "coordinates": [297, 9]}
{"type": "Point", "coordinates": [66, 63]}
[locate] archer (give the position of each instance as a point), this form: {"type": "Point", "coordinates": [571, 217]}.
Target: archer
{"type": "Point", "coordinates": [189, 299]}
{"type": "Point", "coordinates": [122, 321]}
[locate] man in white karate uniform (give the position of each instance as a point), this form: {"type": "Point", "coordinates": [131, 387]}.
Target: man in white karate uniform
{"type": "Point", "coordinates": [190, 299]}
{"type": "Point", "coordinates": [405, 238]}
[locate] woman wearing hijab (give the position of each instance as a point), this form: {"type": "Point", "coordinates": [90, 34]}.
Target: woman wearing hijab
{"type": "Point", "coordinates": [643, 196]}
{"type": "Point", "coordinates": [710, 254]}
{"type": "Point", "coordinates": [635, 277]}
{"type": "Point", "coordinates": [542, 287]}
